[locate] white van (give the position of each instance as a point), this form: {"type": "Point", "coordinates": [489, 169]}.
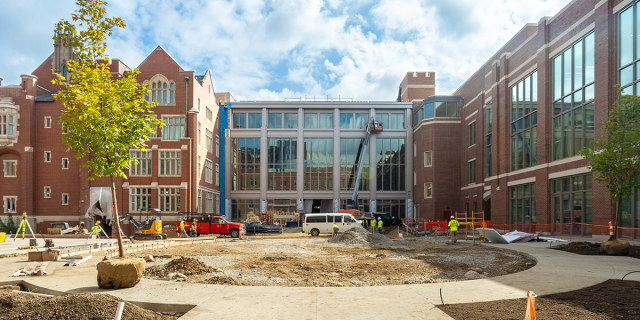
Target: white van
{"type": "Point", "coordinates": [317, 223]}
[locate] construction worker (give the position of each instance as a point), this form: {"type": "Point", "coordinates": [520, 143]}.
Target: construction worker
{"type": "Point", "coordinates": [379, 225]}
{"type": "Point", "coordinates": [453, 229]}
{"type": "Point", "coordinates": [182, 230]}
{"type": "Point", "coordinates": [335, 230]}
{"type": "Point", "coordinates": [373, 225]}
{"type": "Point", "coordinates": [194, 228]}
{"type": "Point", "coordinates": [95, 230]}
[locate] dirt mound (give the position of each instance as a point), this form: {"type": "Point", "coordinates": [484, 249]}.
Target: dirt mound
{"type": "Point", "coordinates": [222, 279]}
{"type": "Point", "coordinates": [358, 236]}
{"type": "Point", "coordinates": [18, 306]}
{"type": "Point", "coordinates": [591, 248]}
{"type": "Point", "coordinates": [185, 265]}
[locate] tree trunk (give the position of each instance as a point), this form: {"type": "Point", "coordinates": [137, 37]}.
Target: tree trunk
{"type": "Point", "coordinates": [617, 216]}
{"type": "Point", "coordinates": [115, 216]}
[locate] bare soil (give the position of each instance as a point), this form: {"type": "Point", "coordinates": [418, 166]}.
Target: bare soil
{"type": "Point", "coordinates": [612, 299]}
{"type": "Point", "coordinates": [592, 248]}
{"type": "Point", "coordinates": [185, 265]}
{"type": "Point", "coordinates": [315, 262]}
{"type": "Point", "coordinates": [19, 306]}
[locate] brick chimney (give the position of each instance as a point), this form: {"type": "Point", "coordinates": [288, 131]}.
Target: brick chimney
{"type": "Point", "coordinates": [417, 86]}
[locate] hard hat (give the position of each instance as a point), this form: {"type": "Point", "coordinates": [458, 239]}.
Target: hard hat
{"type": "Point", "coordinates": [452, 217]}
{"type": "Point", "coordinates": [97, 222]}
{"type": "Point", "coordinates": [194, 220]}
{"type": "Point", "coordinates": [379, 218]}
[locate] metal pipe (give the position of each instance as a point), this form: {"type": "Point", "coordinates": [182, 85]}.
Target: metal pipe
{"type": "Point", "coordinates": [119, 310]}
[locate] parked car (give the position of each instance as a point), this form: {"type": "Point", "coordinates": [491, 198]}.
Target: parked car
{"type": "Point", "coordinates": [263, 228]}
{"type": "Point", "coordinates": [317, 223]}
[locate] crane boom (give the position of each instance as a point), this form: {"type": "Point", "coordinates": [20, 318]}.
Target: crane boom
{"type": "Point", "coordinates": [360, 161]}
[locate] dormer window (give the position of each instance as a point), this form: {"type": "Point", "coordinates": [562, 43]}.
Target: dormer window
{"type": "Point", "coordinates": [6, 125]}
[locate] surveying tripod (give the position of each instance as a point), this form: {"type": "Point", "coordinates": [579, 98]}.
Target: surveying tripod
{"type": "Point", "coordinates": [23, 224]}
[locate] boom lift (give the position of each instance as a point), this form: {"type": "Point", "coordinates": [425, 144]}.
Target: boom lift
{"type": "Point", "coordinates": [151, 229]}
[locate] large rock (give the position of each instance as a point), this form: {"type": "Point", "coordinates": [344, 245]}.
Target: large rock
{"type": "Point", "coordinates": [615, 247]}
{"type": "Point", "coordinates": [120, 273]}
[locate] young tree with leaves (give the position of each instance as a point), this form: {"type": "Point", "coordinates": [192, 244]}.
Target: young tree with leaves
{"type": "Point", "coordinates": [615, 159]}
{"type": "Point", "coordinates": [105, 116]}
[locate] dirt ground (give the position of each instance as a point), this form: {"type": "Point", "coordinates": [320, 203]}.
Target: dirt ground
{"type": "Point", "coordinates": [85, 306]}
{"type": "Point", "coordinates": [591, 248]}
{"type": "Point", "coordinates": [612, 299]}
{"type": "Point", "coordinates": [315, 262]}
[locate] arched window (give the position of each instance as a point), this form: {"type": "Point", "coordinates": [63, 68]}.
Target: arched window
{"type": "Point", "coordinates": [162, 90]}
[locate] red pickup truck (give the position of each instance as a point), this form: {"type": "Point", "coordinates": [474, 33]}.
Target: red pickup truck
{"type": "Point", "coordinates": [215, 225]}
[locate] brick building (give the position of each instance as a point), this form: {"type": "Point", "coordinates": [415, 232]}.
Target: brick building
{"type": "Point", "coordinates": [524, 116]}
{"type": "Point", "coordinates": [179, 171]}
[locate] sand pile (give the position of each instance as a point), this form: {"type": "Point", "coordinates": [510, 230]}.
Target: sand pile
{"type": "Point", "coordinates": [358, 236]}
{"type": "Point", "coordinates": [185, 265]}
{"type": "Point", "coordinates": [91, 306]}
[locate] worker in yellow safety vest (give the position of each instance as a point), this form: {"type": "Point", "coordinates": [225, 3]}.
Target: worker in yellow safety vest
{"type": "Point", "coordinates": [379, 225]}
{"type": "Point", "coordinates": [335, 230]}
{"type": "Point", "coordinates": [95, 230]}
{"type": "Point", "coordinates": [453, 228]}
{"type": "Point", "coordinates": [373, 225]}
{"type": "Point", "coordinates": [182, 231]}
{"type": "Point", "coordinates": [194, 228]}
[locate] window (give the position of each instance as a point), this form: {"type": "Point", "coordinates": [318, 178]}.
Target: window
{"type": "Point", "coordinates": [488, 135]}
{"type": "Point", "coordinates": [209, 113]}
{"type": "Point", "coordinates": [472, 134]}
{"type": "Point", "coordinates": [10, 204]}
{"type": "Point", "coordinates": [628, 58]}
{"type": "Point", "coordinates": [391, 120]}
{"type": "Point", "coordinates": [428, 190]}
{"type": "Point", "coordinates": [208, 171]}
{"type": "Point", "coordinates": [198, 104]}
{"type": "Point", "coordinates": [391, 164]}
{"type": "Point", "coordinates": [573, 202]}
{"type": "Point", "coordinates": [427, 158]}
{"type": "Point", "coordinates": [245, 164]}
{"type": "Point", "coordinates": [169, 199]}
{"type": "Point", "coordinates": [199, 166]}
{"type": "Point", "coordinates": [318, 120]}
{"type": "Point", "coordinates": [217, 207]}
{"type": "Point", "coordinates": [363, 204]}
{"type": "Point", "coordinates": [630, 217]}
{"type": "Point", "coordinates": [47, 192]}
{"type": "Point", "coordinates": [65, 199]}
{"type": "Point", "coordinates": [209, 141]}
{"type": "Point", "coordinates": [239, 120]}
{"type": "Point", "coordinates": [10, 168]}
{"type": "Point", "coordinates": [217, 146]}
{"type": "Point", "coordinates": [444, 109]}
{"type": "Point", "coordinates": [290, 121]}
{"type": "Point", "coordinates": [472, 171]}
{"type": "Point", "coordinates": [141, 164]}
{"type": "Point", "coordinates": [47, 156]}
{"type": "Point", "coordinates": [65, 129]}
{"type": "Point", "coordinates": [318, 164]}
{"type": "Point", "coordinates": [199, 205]}
{"type": "Point", "coordinates": [217, 174]}
{"type": "Point", "coordinates": [47, 122]}
{"type": "Point", "coordinates": [6, 125]}
{"type": "Point", "coordinates": [573, 98]}
{"type": "Point", "coordinates": [282, 165]}
{"type": "Point", "coordinates": [154, 133]}
{"type": "Point", "coordinates": [523, 204]}
{"type": "Point", "coordinates": [241, 209]}
{"type": "Point", "coordinates": [174, 128]}
{"type": "Point", "coordinates": [162, 91]}
{"type": "Point", "coordinates": [353, 120]}
{"type": "Point", "coordinates": [170, 163]}
{"type": "Point", "coordinates": [283, 205]}
{"type": "Point", "coordinates": [255, 120]}
{"type": "Point", "coordinates": [210, 202]}
{"type": "Point", "coordinates": [139, 199]}
{"type": "Point", "coordinates": [65, 163]}
{"type": "Point", "coordinates": [349, 151]}
{"type": "Point", "coordinates": [524, 120]}
{"type": "Point", "coordinates": [199, 133]}
{"type": "Point", "coordinates": [395, 208]}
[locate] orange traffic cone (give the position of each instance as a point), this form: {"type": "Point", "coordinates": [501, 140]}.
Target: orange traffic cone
{"type": "Point", "coordinates": [531, 306]}
{"type": "Point", "coordinates": [240, 235]}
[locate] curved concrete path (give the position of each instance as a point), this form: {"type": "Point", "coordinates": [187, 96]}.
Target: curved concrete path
{"type": "Point", "coordinates": [555, 272]}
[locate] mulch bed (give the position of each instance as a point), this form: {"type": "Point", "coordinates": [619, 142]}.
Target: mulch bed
{"type": "Point", "coordinates": [591, 248]}
{"type": "Point", "coordinates": [612, 299]}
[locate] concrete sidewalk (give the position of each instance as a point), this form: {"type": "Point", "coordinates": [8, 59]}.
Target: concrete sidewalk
{"type": "Point", "coordinates": [556, 271]}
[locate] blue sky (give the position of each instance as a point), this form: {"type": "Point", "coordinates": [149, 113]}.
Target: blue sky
{"type": "Point", "coordinates": [271, 50]}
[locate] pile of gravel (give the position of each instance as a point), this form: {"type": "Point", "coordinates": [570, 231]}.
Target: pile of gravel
{"type": "Point", "coordinates": [185, 265]}
{"type": "Point", "coordinates": [358, 236]}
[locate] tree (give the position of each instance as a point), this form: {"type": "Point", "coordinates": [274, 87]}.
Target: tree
{"type": "Point", "coordinates": [105, 116]}
{"type": "Point", "coordinates": [615, 159]}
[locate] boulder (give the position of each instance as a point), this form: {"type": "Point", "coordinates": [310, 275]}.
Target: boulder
{"type": "Point", "coordinates": [472, 275]}
{"type": "Point", "coordinates": [617, 247]}
{"type": "Point", "coordinates": [148, 258]}
{"type": "Point", "coordinates": [120, 272]}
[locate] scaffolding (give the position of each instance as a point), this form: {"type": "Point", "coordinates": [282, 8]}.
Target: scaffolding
{"type": "Point", "coordinates": [472, 221]}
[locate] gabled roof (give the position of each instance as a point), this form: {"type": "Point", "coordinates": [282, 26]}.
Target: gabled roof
{"type": "Point", "coordinates": [45, 98]}
{"type": "Point", "coordinates": [167, 53]}
{"type": "Point", "coordinates": [201, 78]}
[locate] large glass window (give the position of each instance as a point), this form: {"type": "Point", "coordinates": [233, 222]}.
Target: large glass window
{"type": "Point", "coordinates": [242, 209]}
{"type": "Point", "coordinates": [437, 109]}
{"type": "Point", "coordinates": [391, 120]}
{"type": "Point", "coordinates": [140, 199]}
{"type": "Point", "coordinates": [318, 164]}
{"type": "Point", "coordinates": [472, 134]}
{"type": "Point", "coordinates": [396, 208]}
{"type": "Point", "coordinates": [363, 204]}
{"type": "Point", "coordinates": [318, 120]}
{"type": "Point", "coordinates": [141, 165]}
{"type": "Point", "coordinates": [162, 92]}
{"type": "Point", "coordinates": [524, 120]}
{"type": "Point", "coordinates": [169, 199]}
{"type": "Point", "coordinates": [6, 125]}
{"type": "Point", "coordinates": [629, 50]}
{"type": "Point", "coordinates": [472, 171]}
{"type": "Point", "coordinates": [170, 164]}
{"type": "Point", "coordinates": [255, 120]}
{"type": "Point", "coordinates": [390, 168]}
{"type": "Point", "coordinates": [488, 136]}
{"type": "Point", "coordinates": [349, 151]}
{"type": "Point", "coordinates": [573, 203]}
{"type": "Point", "coordinates": [282, 164]}
{"type": "Point", "coordinates": [239, 120]}
{"type": "Point", "coordinates": [573, 95]}
{"type": "Point", "coordinates": [173, 129]}
{"type": "Point", "coordinates": [284, 206]}
{"type": "Point", "coordinates": [245, 164]}
{"type": "Point", "coordinates": [283, 120]}
{"type": "Point", "coordinates": [523, 204]}
{"type": "Point", "coordinates": [353, 120]}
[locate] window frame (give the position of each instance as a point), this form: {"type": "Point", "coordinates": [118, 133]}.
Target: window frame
{"type": "Point", "coordinates": [178, 165]}
{"type": "Point", "coordinates": [135, 169]}
{"type": "Point", "coordinates": [472, 133]}
{"type": "Point", "coordinates": [47, 125]}
{"type": "Point", "coordinates": [65, 163]}
{"type": "Point", "coordinates": [6, 200]}
{"type": "Point", "coordinates": [6, 166]}
{"type": "Point", "coordinates": [428, 190]}
{"type": "Point", "coordinates": [471, 171]}
{"type": "Point", "coordinates": [47, 156]}
{"type": "Point", "coordinates": [47, 192]}
{"type": "Point", "coordinates": [65, 199]}
{"type": "Point", "coordinates": [523, 126]}
{"type": "Point", "coordinates": [179, 126]}
{"type": "Point", "coordinates": [133, 198]}
{"type": "Point", "coordinates": [428, 159]}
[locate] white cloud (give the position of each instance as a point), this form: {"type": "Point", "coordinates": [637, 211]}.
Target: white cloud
{"type": "Point", "coordinates": [271, 50]}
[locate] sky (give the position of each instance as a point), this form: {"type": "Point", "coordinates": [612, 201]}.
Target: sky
{"type": "Point", "coordinates": [282, 49]}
